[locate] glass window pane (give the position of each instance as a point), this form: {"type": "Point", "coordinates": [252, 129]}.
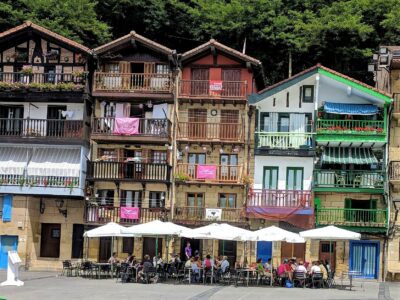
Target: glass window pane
{"type": "Point", "coordinates": [232, 201]}
{"type": "Point", "coordinates": [299, 177]}
{"type": "Point", "coordinates": [290, 179]}
{"type": "Point", "coordinates": [274, 179]}
{"type": "Point", "coordinates": [267, 178]}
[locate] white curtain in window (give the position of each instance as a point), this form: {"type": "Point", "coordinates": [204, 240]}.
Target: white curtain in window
{"type": "Point", "coordinates": [272, 125]}
{"type": "Point", "coordinates": [297, 125]}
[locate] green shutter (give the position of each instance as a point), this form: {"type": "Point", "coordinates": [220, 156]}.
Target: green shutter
{"type": "Point", "coordinates": [317, 203]}
{"type": "Point", "coordinates": [374, 206]}
{"type": "Point", "coordinates": [348, 212]}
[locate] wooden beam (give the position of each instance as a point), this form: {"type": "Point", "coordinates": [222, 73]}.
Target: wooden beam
{"type": "Point", "coordinates": [133, 43]}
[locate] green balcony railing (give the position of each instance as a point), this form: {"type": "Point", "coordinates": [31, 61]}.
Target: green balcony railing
{"type": "Point", "coordinates": [349, 179]}
{"type": "Point", "coordinates": [354, 127]}
{"type": "Point", "coordinates": [351, 217]}
{"type": "Point", "coordinates": [284, 140]}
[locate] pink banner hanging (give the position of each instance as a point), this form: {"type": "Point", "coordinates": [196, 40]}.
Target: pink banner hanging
{"type": "Point", "coordinates": [131, 213]}
{"type": "Point", "coordinates": [215, 87]}
{"type": "Point", "coordinates": [206, 172]}
{"type": "Point", "coordinates": [126, 126]}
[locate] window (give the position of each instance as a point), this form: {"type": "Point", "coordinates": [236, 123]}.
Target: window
{"type": "Point", "coordinates": [21, 54]}
{"type": "Point", "coordinates": [194, 203]}
{"type": "Point", "coordinates": [106, 197]}
{"type": "Point", "coordinates": [294, 178]}
{"type": "Point", "coordinates": [162, 69]}
{"type": "Point", "coordinates": [156, 199]}
{"type": "Point", "coordinates": [308, 93]}
{"type": "Point", "coordinates": [227, 200]}
{"type": "Point", "coordinates": [264, 122]}
{"type": "Point", "coordinates": [270, 178]}
{"type": "Point", "coordinates": [131, 198]}
{"type": "Point", "coordinates": [284, 121]}
{"type": "Point", "coordinates": [111, 68]}
{"type": "Point", "coordinates": [159, 157]}
{"type": "Point", "coordinates": [127, 245]}
{"type": "Point", "coordinates": [108, 154]}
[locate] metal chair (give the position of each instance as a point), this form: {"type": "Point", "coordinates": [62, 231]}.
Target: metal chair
{"type": "Point", "coordinates": [149, 274]}
{"type": "Point", "coordinates": [317, 279]}
{"type": "Point", "coordinates": [67, 268]}
{"type": "Point", "coordinates": [299, 279]}
{"type": "Point", "coordinates": [331, 279]}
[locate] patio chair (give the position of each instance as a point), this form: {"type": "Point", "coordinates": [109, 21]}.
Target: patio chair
{"type": "Point", "coordinates": [331, 280]}
{"type": "Point", "coordinates": [208, 275]}
{"type": "Point", "coordinates": [149, 275]}
{"type": "Point", "coordinates": [240, 278]}
{"type": "Point", "coordinates": [85, 268]}
{"type": "Point", "coordinates": [317, 280]}
{"type": "Point", "coordinates": [162, 272]}
{"type": "Point", "coordinates": [125, 273]}
{"type": "Point", "coordinates": [67, 268]}
{"type": "Point", "coordinates": [340, 180]}
{"type": "Point", "coordinates": [225, 277]}
{"type": "Point", "coordinates": [94, 272]}
{"type": "Point", "coordinates": [299, 279]}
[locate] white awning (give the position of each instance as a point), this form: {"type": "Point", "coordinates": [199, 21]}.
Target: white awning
{"type": "Point", "coordinates": [55, 162]}
{"type": "Point", "coordinates": [13, 160]}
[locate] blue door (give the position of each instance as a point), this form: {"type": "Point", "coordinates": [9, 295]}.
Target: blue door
{"type": "Point", "coordinates": [364, 258]}
{"type": "Point", "coordinates": [7, 243]}
{"type": "Point", "coordinates": [264, 251]}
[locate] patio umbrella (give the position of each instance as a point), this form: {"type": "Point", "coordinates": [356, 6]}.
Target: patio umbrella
{"type": "Point", "coordinates": [155, 229]}
{"type": "Point", "coordinates": [109, 230]}
{"type": "Point", "coordinates": [330, 233]}
{"type": "Point", "coordinates": [216, 231]}
{"type": "Point", "coordinates": [275, 234]}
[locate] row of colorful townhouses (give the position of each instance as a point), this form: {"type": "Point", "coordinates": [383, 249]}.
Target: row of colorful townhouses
{"type": "Point", "coordinates": [133, 131]}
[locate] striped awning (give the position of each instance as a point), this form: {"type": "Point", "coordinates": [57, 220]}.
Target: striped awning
{"type": "Point", "coordinates": [55, 162]}
{"type": "Point", "coordinates": [350, 109]}
{"type": "Point", "coordinates": [357, 156]}
{"type": "Point", "coordinates": [13, 160]}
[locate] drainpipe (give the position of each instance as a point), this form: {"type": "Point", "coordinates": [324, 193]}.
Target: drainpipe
{"type": "Point", "coordinates": [314, 127]}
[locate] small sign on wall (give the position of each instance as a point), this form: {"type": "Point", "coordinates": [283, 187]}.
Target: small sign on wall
{"type": "Point", "coordinates": [213, 214]}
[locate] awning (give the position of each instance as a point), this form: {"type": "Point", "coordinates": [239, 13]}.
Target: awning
{"type": "Point", "coordinates": [357, 156]}
{"type": "Point", "coordinates": [350, 109]}
{"type": "Point", "coordinates": [55, 162]}
{"type": "Point", "coordinates": [13, 160]}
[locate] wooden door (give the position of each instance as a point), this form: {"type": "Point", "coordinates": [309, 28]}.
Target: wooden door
{"type": "Point", "coordinates": [289, 250]}
{"type": "Point", "coordinates": [125, 77]}
{"type": "Point", "coordinates": [197, 124]}
{"type": "Point", "coordinates": [195, 204]}
{"type": "Point", "coordinates": [151, 248]}
{"type": "Point", "coordinates": [105, 249]}
{"type": "Point", "coordinates": [200, 82]}
{"type": "Point", "coordinates": [328, 253]}
{"type": "Point", "coordinates": [231, 85]}
{"type": "Point", "coordinates": [77, 241]}
{"type": "Point", "coordinates": [50, 240]}
{"type": "Point", "coordinates": [229, 249]}
{"type": "Point", "coordinates": [229, 125]}
{"type": "Point", "coordinates": [55, 125]}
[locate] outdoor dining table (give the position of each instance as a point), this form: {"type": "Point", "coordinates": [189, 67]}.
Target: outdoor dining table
{"type": "Point", "coordinates": [350, 275]}
{"type": "Point", "coordinates": [247, 271]}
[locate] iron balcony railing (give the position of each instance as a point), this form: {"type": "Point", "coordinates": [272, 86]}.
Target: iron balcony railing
{"type": "Point", "coordinates": [147, 127]}
{"type": "Point", "coordinates": [132, 82]}
{"type": "Point", "coordinates": [279, 198]}
{"type": "Point", "coordinates": [351, 217]}
{"type": "Point", "coordinates": [213, 89]}
{"type": "Point", "coordinates": [231, 132]}
{"type": "Point", "coordinates": [349, 179]}
{"type": "Point", "coordinates": [39, 181]}
{"type": "Point", "coordinates": [354, 127]}
{"type": "Point", "coordinates": [41, 128]}
{"type": "Point", "coordinates": [111, 170]}
{"type": "Point", "coordinates": [103, 214]}
{"type": "Point", "coordinates": [199, 214]}
{"type": "Point", "coordinates": [42, 78]}
{"type": "Point", "coordinates": [284, 140]}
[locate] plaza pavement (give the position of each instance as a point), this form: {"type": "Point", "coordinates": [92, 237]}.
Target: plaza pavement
{"type": "Point", "coordinates": [48, 285]}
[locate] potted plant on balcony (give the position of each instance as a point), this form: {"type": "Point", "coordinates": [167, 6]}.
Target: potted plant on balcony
{"type": "Point", "coordinates": [182, 177]}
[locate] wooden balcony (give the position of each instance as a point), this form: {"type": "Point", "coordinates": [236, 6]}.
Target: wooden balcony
{"type": "Point", "coordinates": [351, 181]}
{"type": "Point", "coordinates": [128, 171]}
{"type": "Point", "coordinates": [104, 214]}
{"type": "Point", "coordinates": [39, 181]}
{"type": "Point", "coordinates": [213, 89]}
{"type": "Point", "coordinates": [132, 83]}
{"type": "Point", "coordinates": [211, 132]}
{"type": "Point", "coordinates": [198, 215]}
{"type": "Point", "coordinates": [284, 140]}
{"type": "Point", "coordinates": [355, 218]}
{"type": "Point", "coordinates": [210, 174]}
{"type": "Point", "coordinates": [279, 198]}
{"type": "Point", "coordinates": [41, 129]}
{"type": "Point", "coordinates": [350, 131]}
{"type": "Point", "coordinates": [42, 82]}
{"type": "Point", "coordinates": [148, 130]}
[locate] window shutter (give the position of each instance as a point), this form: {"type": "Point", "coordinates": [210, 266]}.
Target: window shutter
{"type": "Point", "coordinates": [7, 208]}
{"type": "Point", "coordinates": [300, 96]}
{"type": "Point", "coordinates": [347, 203]}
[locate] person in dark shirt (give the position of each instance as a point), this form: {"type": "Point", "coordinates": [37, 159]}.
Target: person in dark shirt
{"type": "Point", "coordinates": [147, 264]}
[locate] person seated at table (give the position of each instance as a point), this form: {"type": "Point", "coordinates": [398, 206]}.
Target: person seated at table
{"type": "Point", "coordinates": [301, 268]}
{"type": "Point", "coordinates": [285, 270]}
{"type": "Point", "coordinates": [323, 270]}
{"type": "Point", "coordinates": [131, 259]}
{"type": "Point", "coordinates": [327, 266]}
{"type": "Point", "coordinates": [146, 265]}
{"type": "Point", "coordinates": [293, 262]}
{"type": "Point", "coordinates": [223, 266]}
{"type": "Point", "coordinates": [217, 261]}
{"type": "Point", "coordinates": [195, 270]}
{"type": "Point", "coordinates": [188, 263]}
{"type": "Point", "coordinates": [113, 259]}
{"type": "Point", "coordinates": [268, 265]}
{"type": "Point", "coordinates": [315, 268]}
{"type": "Point", "coordinates": [208, 263]}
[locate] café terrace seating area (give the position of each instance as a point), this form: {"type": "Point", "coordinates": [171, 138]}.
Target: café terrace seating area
{"type": "Point", "coordinates": [211, 269]}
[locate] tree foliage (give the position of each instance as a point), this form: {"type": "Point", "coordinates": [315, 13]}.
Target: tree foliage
{"type": "Point", "coordinates": [341, 34]}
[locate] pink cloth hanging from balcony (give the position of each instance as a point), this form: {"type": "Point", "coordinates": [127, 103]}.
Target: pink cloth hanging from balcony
{"type": "Point", "coordinates": [131, 213]}
{"type": "Point", "coordinates": [126, 126]}
{"type": "Point", "coordinates": [206, 172]}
